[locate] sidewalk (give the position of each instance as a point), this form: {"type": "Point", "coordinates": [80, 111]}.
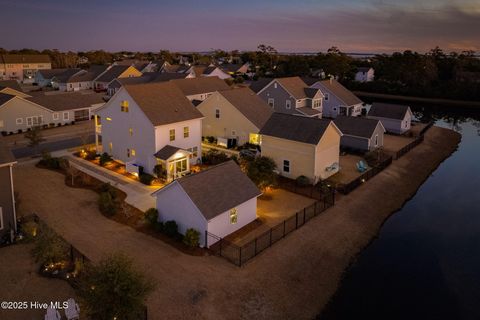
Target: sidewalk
{"type": "Point", "coordinates": [138, 194]}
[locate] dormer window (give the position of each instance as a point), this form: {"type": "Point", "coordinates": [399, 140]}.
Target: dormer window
{"type": "Point", "coordinates": [124, 106]}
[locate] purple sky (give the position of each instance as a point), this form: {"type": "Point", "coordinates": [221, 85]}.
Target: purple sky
{"type": "Point", "coordinates": [193, 25]}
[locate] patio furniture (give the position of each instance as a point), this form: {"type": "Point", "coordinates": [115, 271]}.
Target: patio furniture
{"type": "Point", "coordinates": [360, 168]}
{"type": "Point", "coordinates": [52, 314]}
{"type": "Point", "coordinates": [72, 312]}
{"type": "Point", "coordinates": [363, 165]}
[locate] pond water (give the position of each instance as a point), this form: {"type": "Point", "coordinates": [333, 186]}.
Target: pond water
{"type": "Point", "coordinates": [425, 264]}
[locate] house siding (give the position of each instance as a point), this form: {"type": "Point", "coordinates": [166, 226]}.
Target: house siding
{"type": "Point", "coordinates": [230, 120]}
{"type": "Point", "coordinates": [327, 153]}
{"type": "Point", "coordinates": [331, 107]}
{"type": "Point", "coordinates": [394, 125]}
{"type": "Point", "coordinates": [6, 200]}
{"type": "Point", "coordinates": [174, 204]}
{"type": "Point", "coordinates": [280, 96]}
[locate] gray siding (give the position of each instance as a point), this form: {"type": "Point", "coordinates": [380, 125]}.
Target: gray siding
{"type": "Point", "coordinates": [354, 142]}
{"type": "Point", "coordinates": [280, 96]}
{"type": "Point", "coordinates": [6, 201]}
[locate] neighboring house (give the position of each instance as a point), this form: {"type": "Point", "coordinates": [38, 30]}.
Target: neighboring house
{"type": "Point", "coordinates": [46, 78]}
{"type": "Point", "coordinates": [147, 77]}
{"type": "Point", "coordinates": [12, 87]}
{"type": "Point", "coordinates": [394, 117]}
{"type": "Point", "coordinates": [70, 106]}
{"type": "Point", "coordinates": [219, 200]}
{"type": "Point", "coordinates": [365, 74]}
{"type": "Point", "coordinates": [198, 89]}
{"type": "Point", "coordinates": [18, 114]}
{"type": "Point", "coordinates": [118, 71]}
{"type": "Point", "coordinates": [148, 125]}
{"type": "Point", "coordinates": [359, 133]}
{"type": "Point", "coordinates": [302, 146]}
{"type": "Point", "coordinates": [234, 116]}
{"type": "Point", "coordinates": [83, 80]}
{"type": "Point", "coordinates": [8, 218]}
{"type": "Point", "coordinates": [338, 100]}
{"type": "Point", "coordinates": [292, 96]}
{"type": "Point", "coordinates": [23, 67]}
{"type": "Point", "coordinates": [235, 69]}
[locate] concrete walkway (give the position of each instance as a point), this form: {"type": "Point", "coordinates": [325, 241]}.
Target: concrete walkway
{"type": "Point", "coordinates": [138, 194]}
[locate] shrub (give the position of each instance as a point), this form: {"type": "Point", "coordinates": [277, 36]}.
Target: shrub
{"type": "Point", "coordinates": [49, 247]}
{"type": "Point", "coordinates": [151, 215]}
{"type": "Point", "coordinates": [107, 187]}
{"type": "Point", "coordinates": [262, 171]}
{"type": "Point", "coordinates": [210, 139]}
{"type": "Point", "coordinates": [170, 228]}
{"type": "Point", "coordinates": [192, 238]}
{"type": "Point", "coordinates": [303, 181]}
{"type": "Point", "coordinates": [106, 204]}
{"type": "Point", "coordinates": [214, 157]}
{"type": "Point", "coordinates": [51, 162]}
{"type": "Point", "coordinates": [146, 178]}
{"type": "Point", "coordinates": [91, 155]}
{"type": "Point", "coordinates": [160, 171]}
{"type": "Point", "coordinates": [30, 230]}
{"type": "Point", "coordinates": [105, 158]}
{"type": "Point", "coordinates": [4, 133]}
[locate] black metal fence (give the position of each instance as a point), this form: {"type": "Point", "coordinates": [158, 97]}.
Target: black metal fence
{"type": "Point", "coordinates": [312, 191]}
{"type": "Point", "coordinates": [349, 187]}
{"type": "Point", "coordinates": [239, 255]}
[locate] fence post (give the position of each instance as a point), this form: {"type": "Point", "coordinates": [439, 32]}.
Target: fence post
{"type": "Point", "coordinates": [296, 220]}
{"type": "Point", "coordinates": [304, 212]}
{"type": "Point", "coordinates": [206, 239]}
{"type": "Point", "coordinates": [240, 256]}
{"type": "Point", "coordinates": [284, 222]}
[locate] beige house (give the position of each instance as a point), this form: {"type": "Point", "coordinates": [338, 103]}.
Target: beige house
{"type": "Point", "coordinates": [302, 146]}
{"type": "Point", "coordinates": [13, 88]}
{"type": "Point", "coordinates": [234, 116]}
{"type": "Point", "coordinates": [23, 67]}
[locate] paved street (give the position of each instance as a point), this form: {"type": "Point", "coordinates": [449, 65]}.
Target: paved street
{"type": "Point", "coordinates": [51, 146]}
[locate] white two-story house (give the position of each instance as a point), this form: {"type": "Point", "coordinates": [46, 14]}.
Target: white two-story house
{"type": "Point", "coordinates": [146, 125]}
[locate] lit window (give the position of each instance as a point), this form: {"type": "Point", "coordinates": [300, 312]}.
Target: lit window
{"type": "Point", "coordinates": [109, 119]}
{"type": "Point", "coordinates": [186, 132]}
{"type": "Point", "coordinates": [217, 113]}
{"type": "Point", "coordinates": [19, 121]}
{"type": "Point", "coordinates": [130, 131]}
{"type": "Point", "coordinates": [233, 216]}
{"type": "Point", "coordinates": [110, 146]}
{"type": "Point", "coordinates": [286, 166]}
{"type": "Point", "coordinates": [172, 134]}
{"type": "Point", "coordinates": [124, 106]}
{"type": "Point", "coordinates": [133, 152]}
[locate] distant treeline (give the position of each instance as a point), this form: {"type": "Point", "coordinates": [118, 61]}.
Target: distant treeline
{"type": "Point", "coordinates": [434, 74]}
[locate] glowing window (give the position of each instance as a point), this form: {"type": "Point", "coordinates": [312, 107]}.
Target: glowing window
{"type": "Point", "coordinates": [233, 216]}
{"type": "Point", "coordinates": [124, 106]}
{"type": "Point", "coordinates": [186, 132]}
{"type": "Point", "coordinates": [172, 134]}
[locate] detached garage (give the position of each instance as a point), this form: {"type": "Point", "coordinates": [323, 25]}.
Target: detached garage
{"type": "Point", "coordinates": [219, 200]}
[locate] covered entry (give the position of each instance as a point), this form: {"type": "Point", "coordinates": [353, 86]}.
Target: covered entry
{"type": "Point", "coordinates": [172, 162]}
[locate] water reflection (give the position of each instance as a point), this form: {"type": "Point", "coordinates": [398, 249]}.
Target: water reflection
{"type": "Point", "coordinates": [426, 262]}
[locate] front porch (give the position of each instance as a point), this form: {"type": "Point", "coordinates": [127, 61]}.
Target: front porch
{"type": "Point", "coordinates": [172, 163]}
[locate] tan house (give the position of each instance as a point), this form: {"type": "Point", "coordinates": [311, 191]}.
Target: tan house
{"type": "Point", "coordinates": [234, 116]}
{"type": "Point", "coordinates": [115, 72]}
{"type": "Point", "coordinates": [23, 67]}
{"type": "Point", "coordinates": [302, 146]}
{"type": "Point", "coordinates": [12, 87]}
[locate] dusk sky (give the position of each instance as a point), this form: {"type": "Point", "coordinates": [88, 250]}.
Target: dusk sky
{"type": "Point", "coordinates": [289, 26]}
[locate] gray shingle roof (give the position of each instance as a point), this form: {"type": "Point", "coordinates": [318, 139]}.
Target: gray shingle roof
{"type": "Point", "coordinates": [308, 111]}
{"type": "Point", "coordinates": [87, 75]}
{"type": "Point", "coordinates": [112, 73]}
{"type": "Point", "coordinates": [296, 128]}
{"type": "Point", "coordinates": [4, 98]}
{"type": "Point", "coordinates": [356, 126]}
{"type": "Point", "coordinates": [162, 102]}
{"type": "Point", "coordinates": [200, 85]}
{"type": "Point", "coordinates": [387, 110]}
{"type": "Point", "coordinates": [166, 152]}
{"type": "Point", "coordinates": [261, 83]}
{"type": "Point", "coordinates": [12, 84]}
{"type": "Point", "coordinates": [295, 86]}
{"type": "Point", "coordinates": [218, 189]}
{"type": "Point", "coordinates": [67, 101]}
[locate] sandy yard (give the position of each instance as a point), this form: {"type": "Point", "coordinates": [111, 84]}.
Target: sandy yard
{"type": "Point", "coordinates": [20, 282]}
{"type": "Point", "coordinates": [393, 143]}
{"type": "Point", "coordinates": [348, 169]}
{"type": "Point", "coordinates": [293, 279]}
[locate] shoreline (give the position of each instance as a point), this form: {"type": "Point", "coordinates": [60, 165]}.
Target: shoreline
{"type": "Point", "coordinates": [449, 149]}
{"type": "Point", "coordinates": [430, 101]}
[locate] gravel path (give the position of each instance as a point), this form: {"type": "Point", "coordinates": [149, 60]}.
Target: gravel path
{"type": "Point", "coordinates": [292, 280]}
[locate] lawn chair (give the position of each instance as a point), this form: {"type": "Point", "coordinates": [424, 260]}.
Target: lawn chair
{"type": "Point", "coordinates": [52, 314]}
{"type": "Point", "coordinates": [360, 168]}
{"type": "Point", "coordinates": [72, 312]}
{"type": "Point", "coordinates": [363, 165]}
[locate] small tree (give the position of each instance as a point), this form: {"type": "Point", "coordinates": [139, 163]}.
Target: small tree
{"type": "Point", "coordinates": [114, 289]}
{"type": "Point", "coordinates": [261, 171]}
{"type": "Point", "coordinates": [170, 228]}
{"type": "Point", "coordinates": [105, 158]}
{"type": "Point", "coordinates": [151, 215]}
{"type": "Point", "coordinates": [192, 238]}
{"type": "Point", "coordinates": [34, 137]}
{"type": "Point", "coordinates": [106, 204]}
